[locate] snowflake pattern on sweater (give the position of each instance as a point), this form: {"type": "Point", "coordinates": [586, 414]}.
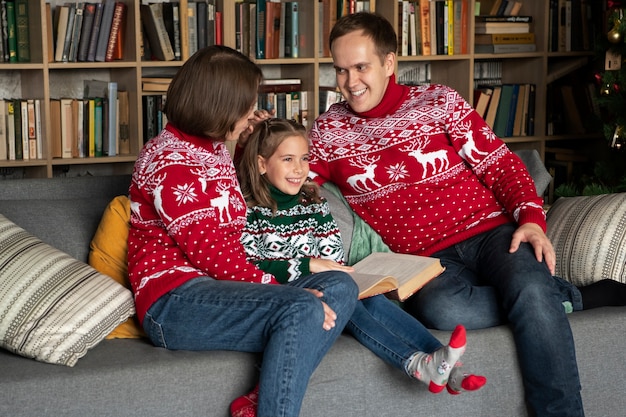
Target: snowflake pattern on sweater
{"type": "Point", "coordinates": [282, 243]}
{"type": "Point", "coordinates": [427, 176]}
{"type": "Point", "coordinates": [187, 214]}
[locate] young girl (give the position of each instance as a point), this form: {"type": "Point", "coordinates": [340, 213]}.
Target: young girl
{"type": "Point", "coordinates": [291, 234]}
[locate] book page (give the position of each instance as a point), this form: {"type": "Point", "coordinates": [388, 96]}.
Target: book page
{"type": "Point", "coordinates": [410, 271]}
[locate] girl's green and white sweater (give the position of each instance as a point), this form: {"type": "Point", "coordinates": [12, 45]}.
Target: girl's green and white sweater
{"type": "Point", "coordinates": [283, 243]}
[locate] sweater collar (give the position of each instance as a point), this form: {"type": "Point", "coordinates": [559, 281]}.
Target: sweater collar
{"type": "Point", "coordinates": [283, 200]}
{"type": "Point", "coordinates": [392, 99]}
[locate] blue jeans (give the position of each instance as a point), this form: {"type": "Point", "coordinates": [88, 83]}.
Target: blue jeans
{"type": "Point", "coordinates": [484, 285]}
{"type": "Point", "coordinates": [282, 321]}
{"type": "Point", "coordinates": [389, 332]}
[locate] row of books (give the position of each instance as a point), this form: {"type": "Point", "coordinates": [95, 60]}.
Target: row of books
{"type": "Point", "coordinates": [487, 72]}
{"type": "Point", "coordinates": [503, 34]}
{"type": "Point", "coordinates": [87, 32]}
{"type": "Point", "coordinates": [571, 25]}
{"type": "Point", "coordinates": [503, 7]}
{"type": "Point", "coordinates": [418, 74]}
{"type": "Point", "coordinates": [95, 125]}
{"type": "Point", "coordinates": [509, 109]}
{"type": "Point", "coordinates": [267, 29]}
{"type": "Point", "coordinates": [437, 27]}
{"type": "Point", "coordinates": [14, 31]}
{"type": "Point", "coordinates": [165, 39]}
{"type": "Point", "coordinates": [20, 129]}
{"type": "Point", "coordinates": [328, 13]}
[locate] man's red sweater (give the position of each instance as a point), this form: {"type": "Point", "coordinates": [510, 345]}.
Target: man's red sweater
{"type": "Point", "coordinates": [423, 169]}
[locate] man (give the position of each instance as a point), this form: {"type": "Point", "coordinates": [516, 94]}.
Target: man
{"type": "Point", "coordinates": [421, 167]}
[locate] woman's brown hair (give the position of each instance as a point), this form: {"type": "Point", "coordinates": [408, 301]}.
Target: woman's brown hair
{"type": "Point", "coordinates": [213, 90]}
{"type": "Point", "coordinates": [264, 140]}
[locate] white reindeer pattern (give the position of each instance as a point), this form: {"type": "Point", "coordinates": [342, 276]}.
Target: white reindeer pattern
{"type": "Point", "coordinates": [221, 202]}
{"type": "Point", "coordinates": [359, 181]}
{"type": "Point", "coordinates": [426, 159]}
{"type": "Point", "coordinates": [469, 150]}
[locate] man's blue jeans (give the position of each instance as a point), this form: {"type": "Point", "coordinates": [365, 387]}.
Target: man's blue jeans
{"type": "Point", "coordinates": [484, 285]}
{"type": "Point", "coordinates": [282, 321]}
{"type": "Point", "coordinates": [390, 332]}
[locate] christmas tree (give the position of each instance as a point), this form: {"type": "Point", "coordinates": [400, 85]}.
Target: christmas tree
{"type": "Point", "coordinates": [610, 174]}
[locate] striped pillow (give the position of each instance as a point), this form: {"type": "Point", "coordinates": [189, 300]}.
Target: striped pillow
{"type": "Point", "coordinates": [589, 237]}
{"type": "Point", "coordinates": [53, 308]}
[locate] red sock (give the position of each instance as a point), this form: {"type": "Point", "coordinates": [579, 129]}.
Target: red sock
{"type": "Point", "coordinates": [246, 405]}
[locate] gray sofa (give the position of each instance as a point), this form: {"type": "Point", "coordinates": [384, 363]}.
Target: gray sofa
{"type": "Point", "coordinates": [132, 378]}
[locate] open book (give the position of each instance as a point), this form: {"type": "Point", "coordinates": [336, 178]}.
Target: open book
{"type": "Point", "coordinates": [396, 275]}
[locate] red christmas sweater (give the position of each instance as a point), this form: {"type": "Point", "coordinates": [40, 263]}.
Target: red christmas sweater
{"type": "Point", "coordinates": [187, 216]}
{"type": "Point", "coordinates": [423, 169]}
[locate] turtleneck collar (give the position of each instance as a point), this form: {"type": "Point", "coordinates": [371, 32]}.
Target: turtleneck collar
{"type": "Point", "coordinates": [392, 99]}
{"type": "Point", "coordinates": [283, 200]}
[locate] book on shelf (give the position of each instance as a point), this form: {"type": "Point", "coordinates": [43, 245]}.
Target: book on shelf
{"type": "Point", "coordinates": [95, 32]}
{"type": "Point", "coordinates": [155, 84]}
{"type": "Point", "coordinates": [10, 112]}
{"type": "Point", "coordinates": [201, 24]}
{"type": "Point", "coordinates": [192, 28]}
{"type": "Point", "coordinates": [504, 38]}
{"type": "Point", "coordinates": [22, 30]}
{"type": "Point", "coordinates": [123, 122]}
{"type": "Point", "coordinates": [24, 120]}
{"type": "Point", "coordinates": [152, 18]}
{"type": "Point", "coordinates": [3, 131]}
{"type": "Point", "coordinates": [501, 27]}
{"type": "Point", "coordinates": [105, 30]}
{"type": "Point", "coordinates": [504, 48]}
{"type": "Point", "coordinates": [280, 85]}
{"type": "Point", "coordinates": [396, 275]}
{"type": "Point", "coordinates": [260, 29]}
{"type": "Point", "coordinates": [171, 20]}
{"type": "Point", "coordinates": [77, 25]}
{"type": "Point", "coordinates": [292, 30]}
{"type": "Point", "coordinates": [89, 13]}
{"type": "Point", "coordinates": [11, 26]}
{"type": "Point", "coordinates": [115, 44]}
{"type": "Point", "coordinates": [506, 19]}
{"type": "Point", "coordinates": [67, 128]}
{"type": "Point", "coordinates": [107, 92]}
{"type": "Point", "coordinates": [492, 110]}
{"type": "Point", "coordinates": [519, 112]}
{"type": "Point", "coordinates": [32, 128]}
{"type": "Point", "coordinates": [272, 29]}
{"type": "Point", "coordinates": [482, 97]}
{"type": "Point", "coordinates": [425, 25]}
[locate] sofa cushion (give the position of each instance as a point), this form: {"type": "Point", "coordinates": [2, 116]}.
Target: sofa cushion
{"type": "Point", "coordinates": [108, 254]}
{"type": "Point", "coordinates": [53, 308]}
{"type": "Point", "coordinates": [589, 237]}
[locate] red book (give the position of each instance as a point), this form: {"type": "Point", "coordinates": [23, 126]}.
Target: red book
{"type": "Point", "coordinates": [219, 23]}
{"type": "Point", "coordinates": [272, 30]}
{"type": "Point", "coordinates": [115, 45]}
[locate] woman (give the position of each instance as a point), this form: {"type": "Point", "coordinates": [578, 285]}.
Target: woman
{"type": "Point", "coordinates": [193, 287]}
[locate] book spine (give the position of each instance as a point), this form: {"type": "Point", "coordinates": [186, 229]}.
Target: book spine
{"type": "Point", "coordinates": [424, 9]}
{"type": "Point", "coordinates": [95, 33]}
{"type": "Point", "coordinates": [17, 121]}
{"type": "Point", "coordinates": [201, 25]}
{"type": "Point", "coordinates": [22, 28]}
{"type": "Point", "coordinates": [105, 30]}
{"type": "Point", "coordinates": [76, 31]}
{"type": "Point", "coordinates": [11, 31]}
{"type": "Point", "coordinates": [32, 129]}
{"type": "Point", "coordinates": [511, 19]}
{"type": "Point", "coordinates": [85, 34]}
{"type": "Point", "coordinates": [260, 29]}
{"type": "Point", "coordinates": [112, 119]}
{"type": "Point", "coordinates": [211, 23]}
{"type": "Point", "coordinates": [124, 122]}
{"type": "Point", "coordinates": [68, 33]}
{"type": "Point", "coordinates": [192, 25]}
{"type": "Point", "coordinates": [3, 131]}
{"type": "Point", "coordinates": [24, 119]}
{"type": "Point", "coordinates": [4, 32]}
{"type": "Point", "coordinates": [11, 130]}
{"type": "Point", "coordinates": [118, 20]}
{"type": "Point", "coordinates": [176, 20]}
{"type": "Point", "coordinates": [98, 126]}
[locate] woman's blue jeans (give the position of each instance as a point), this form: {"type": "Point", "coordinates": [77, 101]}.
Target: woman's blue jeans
{"type": "Point", "coordinates": [282, 321]}
{"type": "Point", "coordinates": [483, 286]}
{"type": "Point", "coordinates": [390, 332]}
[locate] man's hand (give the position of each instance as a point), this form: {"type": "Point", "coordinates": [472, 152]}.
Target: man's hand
{"type": "Point", "coordinates": [533, 234]}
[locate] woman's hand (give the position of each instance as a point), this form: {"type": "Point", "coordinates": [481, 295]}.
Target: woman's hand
{"type": "Point", "coordinates": [329, 315]}
{"type": "Point", "coordinates": [323, 265]}
{"type": "Point", "coordinates": [257, 117]}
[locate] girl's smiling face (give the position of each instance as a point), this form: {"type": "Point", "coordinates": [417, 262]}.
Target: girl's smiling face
{"type": "Point", "coordinates": [288, 167]}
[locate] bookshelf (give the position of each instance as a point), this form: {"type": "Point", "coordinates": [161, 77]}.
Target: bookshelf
{"type": "Point", "coordinates": [45, 79]}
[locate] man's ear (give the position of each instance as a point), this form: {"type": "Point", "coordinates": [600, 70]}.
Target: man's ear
{"type": "Point", "coordinates": [390, 63]}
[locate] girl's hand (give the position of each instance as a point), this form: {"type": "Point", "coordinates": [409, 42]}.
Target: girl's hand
{"type": "Point", "coordinates": [257, 117]}
{"type": "Point", "coordinates": [329, 315]}
{"type": "Point", "coordinates": [323, 265]}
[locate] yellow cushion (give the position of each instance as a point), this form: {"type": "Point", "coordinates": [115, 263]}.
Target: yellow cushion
{"type": "Point", "coordinates": [108, 255]}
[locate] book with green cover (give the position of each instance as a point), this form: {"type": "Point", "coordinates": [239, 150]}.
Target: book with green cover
{"type": "Point", "coordinates": [11, 31]}
{"type": "Point", "coordinates": [22, 30]}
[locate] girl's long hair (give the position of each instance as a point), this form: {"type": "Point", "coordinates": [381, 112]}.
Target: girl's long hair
{"type": "Point", "coordinates": [264, 140]}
